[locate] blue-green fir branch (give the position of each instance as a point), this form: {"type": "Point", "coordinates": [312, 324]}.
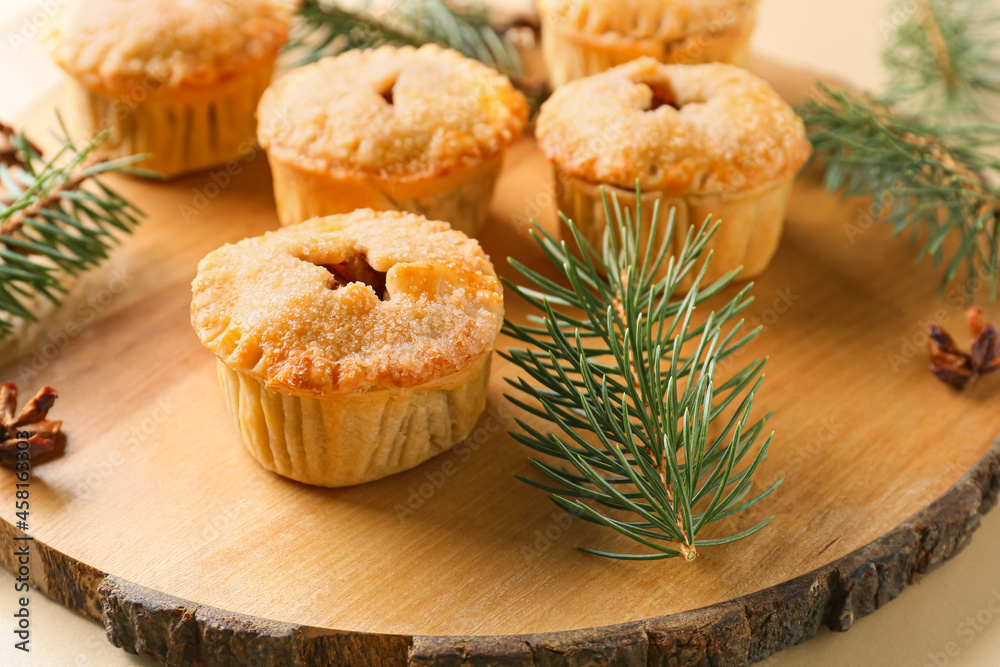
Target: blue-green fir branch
{"type": "Point", "coordinates": [57, 218]}
{"type": "Point", "coordinates": [643, 435]}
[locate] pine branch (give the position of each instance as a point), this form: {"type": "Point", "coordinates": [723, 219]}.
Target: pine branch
{"type": "Point", "coordinates": [325, 29]}
{"type": "Point", "coordinates": [934, 182]}
{"type": "Point", "coordinates": [650, 442]}
{"type": "Point", "coordinates": [56, 218]}
{"type": "Point", "coordinates": [944, 59]}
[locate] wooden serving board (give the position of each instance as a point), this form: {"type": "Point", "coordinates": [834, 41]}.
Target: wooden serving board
{"type": "Point", "coordinates": [155, 520]}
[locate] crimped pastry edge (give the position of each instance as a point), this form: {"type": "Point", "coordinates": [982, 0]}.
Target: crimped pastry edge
{"type": "Point", "coordinates": [306, 151]}
{"type": "Point", "coordinates": [297, 345]}
{"type": "Point", "coordinates": [731, 132]}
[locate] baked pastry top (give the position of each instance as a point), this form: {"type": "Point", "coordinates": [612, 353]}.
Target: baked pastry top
{"type": "Point", "coordinates": [676, 128]}
{"type": "Point", "coordinates": [391, 112]}
{"type": "Point", "coordinates": [662, 20]}
{"type": "Point", "coordinates": [113, 46]}
{"type": "Point", "coordinates": [349, 302]}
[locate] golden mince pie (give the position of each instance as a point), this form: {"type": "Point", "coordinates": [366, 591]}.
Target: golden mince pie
{"type": "Point", "coordinates": [584, 37]}
{"type": "Point", "coordinates": [705, 140]}
{"type": "Point", "coordinates": [421, 130]}
{"type": "Point", "coordinates": [178, 79]}
{"type": "Point", "coordinates": [353, 346]}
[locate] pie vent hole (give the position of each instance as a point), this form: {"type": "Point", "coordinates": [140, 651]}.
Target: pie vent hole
{"type": "Point", "coordinates": [662, 97]}
{"type": "Point", "coordinates": [386, 91]}
{"type": "Point", "coordinates": [356, 269]}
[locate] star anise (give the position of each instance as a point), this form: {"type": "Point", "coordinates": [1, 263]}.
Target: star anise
{"type": "Point", "coordinates": [30, 425]}
{"type": "Point", "coordinates": [957, 367]}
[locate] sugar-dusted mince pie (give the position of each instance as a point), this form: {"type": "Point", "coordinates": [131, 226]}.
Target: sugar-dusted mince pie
{"type": "Point", "coordinates": [179, 79]}
{"type": "Point", "coordinates": [421, 130]}
{"type": "Point", "coordinates": [584, 37]}
{"type": "Point", "coordinates": [350, 347]}
{"type": "Point", "coordinates": [706, 140]}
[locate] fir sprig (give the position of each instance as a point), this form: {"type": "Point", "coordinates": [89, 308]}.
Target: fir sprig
{"type": "Point", "coordinates": [918, 150]}
{"type": "Point", "coordinates": [326, 29]}
{"type": "Point", "coordinates": [56, 218]}
{"type": "Point", "coordinates": [650, 442]}
{"type": "Point", "coordinates": [944, 57]}
{"type": "Point", "coordinates": [931, 181]}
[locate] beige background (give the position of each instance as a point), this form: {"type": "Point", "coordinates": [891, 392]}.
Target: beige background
{"type": "Point", "coordinates": [951, 618]}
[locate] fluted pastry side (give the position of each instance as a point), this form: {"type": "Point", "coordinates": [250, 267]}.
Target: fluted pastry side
{"type": "Point", "coordinates": [393, 128]}
{"type": "Point", "coordinates": [353, 346]}
{"type": "Point", "coordinates": [750, 221]}
{"type": "Point", "coordinates": [191, 129]}
{"type": "Point", "coordinates": [462, 198]}
{"type": "Point", "coordinates": [708, 139]}
{"type": "Point", "coordinates": [585, 37]}
{"type": "Point", "coordinates": [347, 439]}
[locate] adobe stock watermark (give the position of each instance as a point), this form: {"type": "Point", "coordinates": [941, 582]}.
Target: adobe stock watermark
{"type": "Point", "coordinates": [89, 480]}
{"type": "Point", "coordinates": [31, 26]}
{"type": "Point", "coordinates": [966, 632]}
{"type": "Point", "coordinates": [868, 216]}
{"type": "Point", "coordinates": [958, 297]}
{"type": "Point", "coordinates": [418, 495]}
{"type": "Point", "coordinates": [781, 303]}
{"type": "Point", "coordinates": [827, 430]}
{"type": "Point", "coordinates": [916, 343]}
{"type": "Point", "coordinates": [224, 521]}
{"type": "Point", "coordinates": [207, 532]}
{"type": "Point", "coordinates": [222, 177]}
{"type": "Point", "coordinates": [548, 195]}
{"type": "Point", "coordinates": [545, 538]}
{"type": "Point", "coordinates": [46, 350]}
{"type": "Point", "coordinates": [900, 15]}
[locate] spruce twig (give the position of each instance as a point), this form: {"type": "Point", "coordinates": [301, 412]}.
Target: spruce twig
{"type": "Point", "coordinates": [934, 182]}
{"type": "Point", "coordinates": [56, 218]}
{"type": "Point", "coordinates": [325, 29]}
{"type": "Point", "coordinates": [646, 439]}
{"type": "Point", "coordinates": [944, 58]}
{"type": "Point", "coordinates": [919, 150]}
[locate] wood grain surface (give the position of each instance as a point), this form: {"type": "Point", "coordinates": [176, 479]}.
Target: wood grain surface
{"type": "Point", "coordinates": [200, 544]}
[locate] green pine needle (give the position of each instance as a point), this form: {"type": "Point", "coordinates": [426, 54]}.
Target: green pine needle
{"type": "Point", "coordinates": [649, 441]}
{"type": "Point", "coordinates": [325, 29]}
{"type": "Point", "coordinates": [935, 182]}
{"type": "Point", "coordinates": [56, 218]}
{"type": "Point", "coordinates": [944, 58]}
{"type": "Point", "coordinates": [917, 150]}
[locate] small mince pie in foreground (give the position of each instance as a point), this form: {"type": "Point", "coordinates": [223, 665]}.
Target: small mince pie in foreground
{"type": "Point", "coordinates": [353, 346]}
{"type": "Point", "coordinates": [584, 37]}
{"type": "Point", "coordinates": [703, 139]}
{"type": "Point", "coordinates": [421, 130]}
{"type": "Point", "coordinates": [179, 79]}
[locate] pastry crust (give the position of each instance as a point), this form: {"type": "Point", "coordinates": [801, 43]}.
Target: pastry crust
{"type": "Point", "coordinates": [585, 37]}
{"type": "Point", "coordinates": [396, 115]}
{"type": "Point", "coordinates": [192, 129]}
{"type": "Point", "coordinates": [115, 47]}
{"type": "Point", "coordinates": [345, 439]}
{"type": "Point", "coordinates": [462, 197]}
{"type": "Point", "coordinates": [703, 140]}
{"type": "Point", "coordinates": [619, 22]}
{"type": "Point", "coordinates": [269, 309]}
{"type": "Point", "coordinates": [731, 133]}
{"type": "Point", "coordinates": [749, 230]}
